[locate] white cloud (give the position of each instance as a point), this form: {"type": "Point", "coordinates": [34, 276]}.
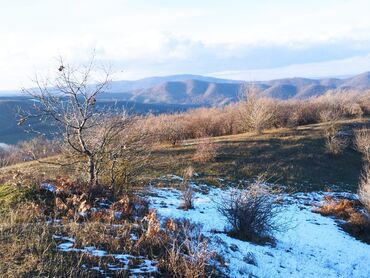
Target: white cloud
{"type": "Point", "coordinates": [336, 68]}
{"type": "Point", "coordinates": [146, 37]}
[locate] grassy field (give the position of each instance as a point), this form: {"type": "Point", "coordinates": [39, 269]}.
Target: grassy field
{"type": "Point", "coordinates": [294, 157]}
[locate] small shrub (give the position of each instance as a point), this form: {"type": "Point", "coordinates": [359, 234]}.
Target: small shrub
{"type": "Point", "coordinates": [252, 213]}
{"type": "Point", "coordinates": [206, 151]}
{"type": "Point", "coordinates": [258, 112]}
{"type": "Point", "coordinates": [334, 144]}
{"type": "Point", "coordinates": [364, 190]}
{"type": "Point", "coordinates": [187, 193]}
{"type": "Point", "coordinates": [362, 143]}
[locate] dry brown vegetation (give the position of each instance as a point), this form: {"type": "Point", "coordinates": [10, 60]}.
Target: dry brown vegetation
{"type": "Point", "coordinates": [34, 149]}
{"type": "Point", "coordinates": [364, 190]}
{"type": "Point", "coordinates": [362, 143]}
{"type": "Point", "coordinates": [255, 113]}
{"type": "Point", "coordinates": [206, 151]}
{"type": "Point", "coordinates": [187, 190]}
{"type": "Point", "coordinates": [37, 221]}
{"type": "Point", "coordinates": [357, 222]}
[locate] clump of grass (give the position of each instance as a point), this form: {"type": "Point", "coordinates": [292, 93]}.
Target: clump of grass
{"type": "Point", "coordinates": [12, 194]}
{"type": "Point", "coordinates": [342, 209]}
{"type": "Point", "coordinates": [187, 254]}
{"type": "Point", "coordinates": [357, 222]}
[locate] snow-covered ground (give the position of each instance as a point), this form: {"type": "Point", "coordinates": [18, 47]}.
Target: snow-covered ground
{"type": "Point", "coordinates": [313, 246]}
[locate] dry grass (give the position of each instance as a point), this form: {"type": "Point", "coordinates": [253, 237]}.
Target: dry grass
{"type": "Point", "coordinates": [357, 223]}
{"type": "Point", "coordinates": [29, 250]}
{"type": "Point", "coordinates": [188, 240]}
{"type": "Point", "coordinates": [342, 209]}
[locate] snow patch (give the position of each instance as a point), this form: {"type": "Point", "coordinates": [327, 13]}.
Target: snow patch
{"type": "Point", "coordinates": [314, 246]}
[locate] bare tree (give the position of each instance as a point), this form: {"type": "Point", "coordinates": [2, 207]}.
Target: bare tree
{"type": "Point", "coordinates": [70, 103]}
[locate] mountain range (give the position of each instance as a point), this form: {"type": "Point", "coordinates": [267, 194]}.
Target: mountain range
{"type": "Point", "coordinates": [209, 91]}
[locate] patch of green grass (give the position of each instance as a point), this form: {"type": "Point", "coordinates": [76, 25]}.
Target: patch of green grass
{"type": "Point", "coordinates": [11, 195]}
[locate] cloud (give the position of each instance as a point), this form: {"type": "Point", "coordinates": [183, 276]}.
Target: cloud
{"type": "Point", "coordinates": [145, 38]}
{"type": "Point", "coordinates": [334, 68]}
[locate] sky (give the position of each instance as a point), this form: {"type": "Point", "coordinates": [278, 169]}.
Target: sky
{"type": "Point", "coordinates": [236, 39]}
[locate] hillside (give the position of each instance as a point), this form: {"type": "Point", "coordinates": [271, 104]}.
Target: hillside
{"type": "Point", "coordinates": [292, 156]}
{"type": "Point", "coordinates": [110, 236]}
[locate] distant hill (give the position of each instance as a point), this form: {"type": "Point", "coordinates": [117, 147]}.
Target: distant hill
{"type": "Point", "coordinates": [209, 91]}
{"type": "Point", "coordinates": [179, 93]}
{"type": "Point", "coordinates": [11, 133]}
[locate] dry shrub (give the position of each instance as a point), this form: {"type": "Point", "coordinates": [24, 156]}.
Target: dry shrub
{"type": "Point", "coordinates": [252, 214]}
{"type": "Point", "coordinates": [187, 193]}
{"type": "Point", "coordinates": [33, 149]}
{"type": "Point", "coordinates": [334, 143]}
{"type": "Point", "coordinates": [362, 143]}
{"type": "Point", "coordinates": [187, 254]}
{"type": "Point", "coordinates": [364, 190]}
{"type": "Point", "coordinates": [258, 113]}
{"type": "Point", "coordinates": [206, 151]}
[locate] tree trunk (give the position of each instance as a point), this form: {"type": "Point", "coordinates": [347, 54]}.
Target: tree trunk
{"type": "Point", "coordinates": [92, 177]}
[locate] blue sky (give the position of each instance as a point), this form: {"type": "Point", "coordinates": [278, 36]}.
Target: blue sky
{"type": "Point", "coordinates": [249, 40]}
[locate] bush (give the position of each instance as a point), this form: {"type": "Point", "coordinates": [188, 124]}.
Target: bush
{"type": "Point", "coordinates": [252, 213]}
{"type": "Point", "coordinates": [206, 151]}
{"type": "Point", "coordinates": [187, 190]}
{"type": "Point", "coordinates": [362, 143]}
{"type": "Point", "coordinates": [334, 144]}
{"type": "Point", "coordinates": [258, 113]}
{"type": "Point", "coordinates": [364, 190]}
